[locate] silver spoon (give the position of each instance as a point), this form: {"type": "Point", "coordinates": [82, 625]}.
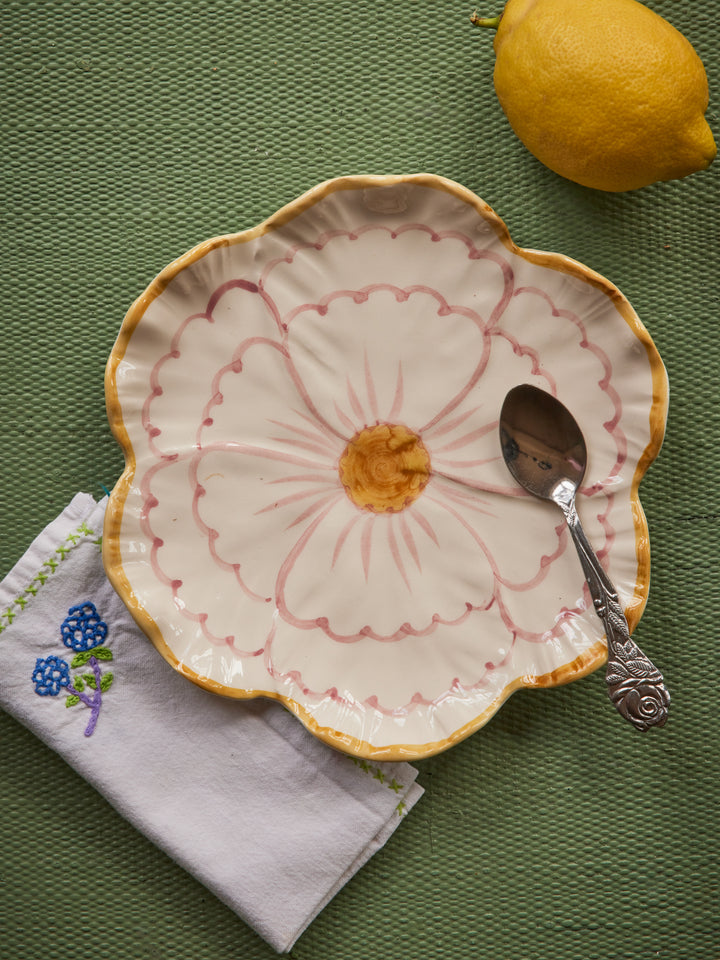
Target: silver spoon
{"type": "Point", "coordinates": [545, 451]}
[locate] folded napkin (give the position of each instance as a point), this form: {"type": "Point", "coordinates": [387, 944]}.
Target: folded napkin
{"type": "Point", "coordinates": [270, 819]}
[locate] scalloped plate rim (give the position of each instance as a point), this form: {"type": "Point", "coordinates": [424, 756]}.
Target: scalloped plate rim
{"type": "Point", "coordinates": [581, 666]}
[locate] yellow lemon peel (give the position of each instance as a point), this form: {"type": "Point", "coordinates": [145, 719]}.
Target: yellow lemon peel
{"type": "Point", "coordinates": [603, 92]}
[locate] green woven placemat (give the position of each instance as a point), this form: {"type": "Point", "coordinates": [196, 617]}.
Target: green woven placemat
{"type": "Point", "coordinates": [133, 130]}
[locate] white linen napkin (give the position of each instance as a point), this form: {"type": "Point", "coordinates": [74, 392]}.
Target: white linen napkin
{"type": "Point", "coordinates": [270, 819]}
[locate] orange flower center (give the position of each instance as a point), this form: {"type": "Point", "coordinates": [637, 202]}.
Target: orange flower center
{"type": "Point", "coordinates": [384, 468]}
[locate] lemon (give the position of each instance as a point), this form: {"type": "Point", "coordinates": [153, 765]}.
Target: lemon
{"type": "Point", "coordinates": [604, 92]}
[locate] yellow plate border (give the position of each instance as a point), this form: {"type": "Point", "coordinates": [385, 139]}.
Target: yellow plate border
{"type": "Point", "coordinates": [582, 665]}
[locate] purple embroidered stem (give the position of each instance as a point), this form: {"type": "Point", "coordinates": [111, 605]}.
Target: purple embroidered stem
{"type": "Point", "coordinates": [96, 701]}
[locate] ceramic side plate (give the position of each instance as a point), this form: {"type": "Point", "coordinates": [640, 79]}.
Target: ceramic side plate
{"type": "Point", "coordinates": [314, 506]}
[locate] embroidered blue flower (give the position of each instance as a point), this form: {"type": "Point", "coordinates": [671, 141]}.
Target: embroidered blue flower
{"type": "Point", "coordinates": [83, 629]}
{"type": "Point", "coordinates": [50, 675]}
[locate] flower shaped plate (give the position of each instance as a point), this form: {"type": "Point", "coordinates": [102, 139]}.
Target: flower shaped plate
{"type": "Point", "coordinates": [314, 506]}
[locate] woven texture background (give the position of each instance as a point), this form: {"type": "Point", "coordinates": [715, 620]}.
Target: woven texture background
{"type": "Point", "coordinates": [131, 131]}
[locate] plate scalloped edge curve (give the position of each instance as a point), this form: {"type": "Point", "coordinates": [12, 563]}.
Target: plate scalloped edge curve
{"type": "Point", "coordinates": [567, 272]}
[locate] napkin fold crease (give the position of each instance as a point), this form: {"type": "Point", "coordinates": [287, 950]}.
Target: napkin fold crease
{"type": "Point", "coordinates": [267, 817]}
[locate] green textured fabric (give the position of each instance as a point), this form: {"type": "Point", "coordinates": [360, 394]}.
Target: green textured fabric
{"type": "Point", "coordinates": [132, 130]}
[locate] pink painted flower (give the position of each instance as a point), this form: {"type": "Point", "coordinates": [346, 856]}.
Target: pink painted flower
{"type": "Point", "coordinates": [315, 505]}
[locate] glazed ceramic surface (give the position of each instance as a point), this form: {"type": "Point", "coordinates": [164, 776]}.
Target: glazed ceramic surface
{"type": "Point", "coordinates": [315, 506]}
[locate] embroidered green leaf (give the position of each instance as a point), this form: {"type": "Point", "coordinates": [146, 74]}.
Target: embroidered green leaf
{"type": "Point", "coordinates": [106, 681]}
{"type": "Point", "coordinates": [394, 785]}
{"type": "Point", "coordinates": [102, 653]}
{"type": "Point", "coordinates": [90, 680]}
{"type": "Point", "coordinates": [71, 700]}
{"type": "Point", "coordinates": [84, 528]}
{"type": "Point", "coordinates": [78, 682]}
{"type": "Point", "coordinates": [80, 659]}
{"type": "Point", "coordinates": [40, 577]}
{"type": "Point", "coordinates": [379, 775]}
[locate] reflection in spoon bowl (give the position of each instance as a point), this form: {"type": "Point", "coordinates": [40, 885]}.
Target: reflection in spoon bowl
{"type": "Point", "coordinates": [545, 451]}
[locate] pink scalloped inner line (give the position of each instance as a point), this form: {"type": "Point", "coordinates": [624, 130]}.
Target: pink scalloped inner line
{"type": "Point", "coordinates": [325, 442]}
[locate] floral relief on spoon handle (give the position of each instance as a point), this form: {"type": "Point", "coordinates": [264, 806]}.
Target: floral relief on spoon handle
{"type": "Point", "coordinates": [634, 683]}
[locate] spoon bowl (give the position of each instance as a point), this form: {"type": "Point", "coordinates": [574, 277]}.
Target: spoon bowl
{"type": "Point", "coordinates": [542, 444]}
{"type": "Point", "coordinates": [545, 451]}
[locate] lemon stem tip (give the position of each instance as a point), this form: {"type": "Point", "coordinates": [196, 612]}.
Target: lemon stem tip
{"type": "Point", "coordinates": [492, 22]}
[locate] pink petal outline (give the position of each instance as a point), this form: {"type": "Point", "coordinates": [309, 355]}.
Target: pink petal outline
{"type": "Point", "coordinates": [474, 253]}
{"type": "Point", "coordinates": [322, 623]}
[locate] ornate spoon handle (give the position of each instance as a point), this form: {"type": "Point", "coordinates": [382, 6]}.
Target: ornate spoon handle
{"type": "Point", "coordinates": [634, 683]}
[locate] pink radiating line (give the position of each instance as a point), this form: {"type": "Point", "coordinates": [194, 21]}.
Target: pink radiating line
{"type": "Point", "coordinates": [313, 435]}
{"type": "Point", "coordinates": [506, 490]}
{"type": "Point", "coordinates": [291, 498]}
{"type": "Point", "coordinates": [308, 445]}
{"type": "Point", "coordinates": [468, 438]}
{"type": "Point", "coordinates": [460, 396]}
{"type": "Point", "coordinates": [423, 522]}
{"type": "Point", "coordinates": [435, 236]}
{"type": "Point", "coordinates": [361, 296]}
{"type": "Point", "coordinates": [472, 501]}
{"type": "Point", "coordinates": [318, 425]}
{"type": "Point", "coordinates": [519, 350]}
{"type": "Point", "coordinates": [370, 387]}
{"type": "Point", "coordinates": [355, 402]}
{"type": "Point", "coordinates": [322, 623]}
{"type": "Point", "coordinates": [409, 540]}
{"type": "Point", "coordinates": [399, 395]}
{"type": "Point", "coordinates": [467, 464]}
{"type": "Point", "coordinates": [342, 537]}
{"type": "Point", "coordinates": [345, 420]}
{"type": "Point", "coordinates": [253, 450]}
{"type": "Point", "coordinates": [441, 501]}
{"type": "Point", "coordinates": [305, 478]}
{"type": "Point", "coordinates": [545, 560]}
{"type": "Point", "coordinates": [365, 544]}
{"type": "Point", "coordinates": [289, 562]}
{"type": "Point", "coordinates": [395, 552]}
{"type": "Point", "coordinates": [307, 400]}
{"type": "Point", "coordinates": [457, 489]}
{"type": "Point", "coordinates": [330, 498]}
{"type": "Point", "coordinates": [439, 430]}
